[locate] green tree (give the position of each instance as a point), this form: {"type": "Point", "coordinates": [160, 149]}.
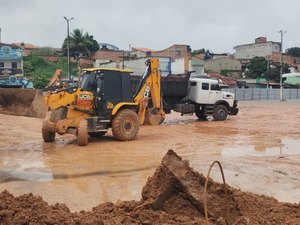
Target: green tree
{"type": "Point", "coordinates": [40, 81]}
{"type": "Point", "coordinates": [225, 72]}
{"type": "Point", "coordinates": [28, 69]}
{"type": "Point", "coordinates": [43, 51]}
{"type": "Point", "coordinates": [80, 43]}
{"type": "Point", "coordinates": [198, 51]}
{"type": "Point", "coordinates": [256, 67]}
{"type": "Point", "coordinates": [294, 51]}
{"type": "Point", "coordinates": [41, 70]}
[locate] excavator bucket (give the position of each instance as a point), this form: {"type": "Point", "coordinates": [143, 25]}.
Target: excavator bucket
{"type": "Point", "coordinates": [22, 102]}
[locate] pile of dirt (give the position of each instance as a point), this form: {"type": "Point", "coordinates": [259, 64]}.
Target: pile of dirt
{"type": "Point", "coordinates": [22, 102]}
{"type": "Point", "coordinates": [173, 195]}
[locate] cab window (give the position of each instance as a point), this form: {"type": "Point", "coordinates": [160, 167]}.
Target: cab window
{"type": "Point", "coordinates": [205, 86]}
{"type": "Point", "coordinates": [215, 87]}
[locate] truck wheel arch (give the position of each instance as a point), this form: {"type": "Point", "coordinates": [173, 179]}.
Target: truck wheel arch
{"type": "Point", "coordinates": [221, 102]}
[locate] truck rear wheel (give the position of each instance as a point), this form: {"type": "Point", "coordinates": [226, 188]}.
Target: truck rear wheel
{"type": "Point", "coordinates": [125, 125]}
{"type": "Point", "coordinates": [48, 136]}
{"type": "Point", "coordinates": [82, 133]}
{"type": "Point", "coordinates": [220, 112]}
{"type": "Point", "coordinates": [200, 114]}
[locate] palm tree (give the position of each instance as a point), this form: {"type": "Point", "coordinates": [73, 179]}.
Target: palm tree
{"type": "Point", "coordinates": [80, 44]}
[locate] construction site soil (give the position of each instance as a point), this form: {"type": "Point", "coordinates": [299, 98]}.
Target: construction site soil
{"type": "Point", "coordinates": [26, 102]}
{"type": "Point", "coordinates": [173, 195]}
{"type": "Point", "coordinates": [104, 183]}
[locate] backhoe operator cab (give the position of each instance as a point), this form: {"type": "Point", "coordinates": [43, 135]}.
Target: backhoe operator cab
{"type": "Point", "coordinates": [104, 99]}
{"type": "Point", "coordinates": [109, 87]}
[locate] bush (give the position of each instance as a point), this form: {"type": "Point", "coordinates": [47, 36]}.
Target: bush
{"type": "Point", "coordinates": [41, 70]}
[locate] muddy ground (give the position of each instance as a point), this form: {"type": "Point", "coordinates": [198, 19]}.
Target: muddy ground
{"type": "Point", "coordinates": [259, 150]}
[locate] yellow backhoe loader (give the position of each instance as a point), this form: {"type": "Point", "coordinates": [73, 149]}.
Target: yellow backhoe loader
{"type": "Point", "coordinates": [103, 99]}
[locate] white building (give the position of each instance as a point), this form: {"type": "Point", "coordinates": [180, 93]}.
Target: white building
{"type": "Point", "coordinates": [261, 48]}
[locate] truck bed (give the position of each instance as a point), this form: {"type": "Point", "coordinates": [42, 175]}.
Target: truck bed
{"type": "Point", "coordinates": [174, 88]}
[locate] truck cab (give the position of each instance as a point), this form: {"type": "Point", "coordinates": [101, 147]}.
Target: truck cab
{"type": "Point", "coordinates": [205, 98]}
{"type": "Point", "coordinates": [209, 99]}
{"type": "Point", "coordinates": [208, 91]}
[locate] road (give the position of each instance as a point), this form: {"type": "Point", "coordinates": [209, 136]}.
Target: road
{"type": "Point", "coordinates": [258, 149]}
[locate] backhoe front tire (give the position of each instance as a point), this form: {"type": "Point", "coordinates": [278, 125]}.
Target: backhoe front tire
{"type": "Point", "coordinates": [48, 136]}
{"type": "Point", "coordinates": [82, 133]}
{"type": "Point", "coordinates": [125, 125]}
{"type": "Point", "coordinates": [220, 113]}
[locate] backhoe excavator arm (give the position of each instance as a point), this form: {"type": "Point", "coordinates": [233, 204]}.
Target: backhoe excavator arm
{"type": "Point", "coordinates": [150, 83]}
{"type": "Point", "coordinates": [55, 78]}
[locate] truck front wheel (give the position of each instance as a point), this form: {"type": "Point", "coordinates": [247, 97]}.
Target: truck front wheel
{"type": "Point", "coordinates": [220, 113]}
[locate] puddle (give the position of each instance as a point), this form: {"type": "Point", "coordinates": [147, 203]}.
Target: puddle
{"type": "Point", "coordinates": [285, 147]}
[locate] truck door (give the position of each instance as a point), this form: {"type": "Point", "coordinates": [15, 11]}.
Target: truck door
{"type": "Point", "coordinates": [204, 95]}
{"type": "Point", "coordinates": [214, 93]}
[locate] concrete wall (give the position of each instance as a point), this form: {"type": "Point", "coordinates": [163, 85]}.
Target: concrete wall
{"type": "Point", "coordinates": [217, 65]}
{"type": "Point", "coordinates": [197, 66]}
{"type": "Point", "coordinates": [178, 66]}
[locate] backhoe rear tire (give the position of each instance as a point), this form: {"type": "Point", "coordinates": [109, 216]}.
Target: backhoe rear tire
{"type": "Point", "coordinates": [48, 136]}
{"type": "Point", "coordinates": [82, 133]}
{"type": "Point", "coordinates": [125, 125]}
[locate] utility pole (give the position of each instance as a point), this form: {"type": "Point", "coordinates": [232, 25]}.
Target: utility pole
{"type": "Point", "coordinates": [68, 46]}
{"type": "Point", "coordinates": [281, 64]}
{"type": "Point", "coordinates": [123, 60]}
{"type": "Point", "coordinates": [268, 72]}
{"type": "Point", "coordinates": [0, 36]}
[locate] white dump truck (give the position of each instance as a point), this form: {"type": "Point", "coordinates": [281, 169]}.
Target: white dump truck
{"type": "Point", "coordinates": [202, 96]}
{"type": "Point", "coordinates": [205, 98]}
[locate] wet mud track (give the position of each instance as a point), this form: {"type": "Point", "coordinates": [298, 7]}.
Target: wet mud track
{"type": "Point", "coordinates": [259, 150]}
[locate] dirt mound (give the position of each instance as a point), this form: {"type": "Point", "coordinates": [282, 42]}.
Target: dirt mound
{"type": "Point", "coordinates": [173, 195]}
{"type": "Point", "coordinates": [22, 102]}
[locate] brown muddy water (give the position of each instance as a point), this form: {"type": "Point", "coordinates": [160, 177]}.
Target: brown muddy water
{"type": "Point", "coordinates": [259, 150]}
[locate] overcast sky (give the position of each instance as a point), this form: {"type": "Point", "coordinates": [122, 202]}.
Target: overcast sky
{"type": "Point", "coordinates": [217, 25]}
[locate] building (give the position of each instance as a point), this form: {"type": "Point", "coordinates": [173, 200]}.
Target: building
{"type": "Point", "coordinates": [11, 59]}
{"type": "Point", "coordinates": [286, 59]}
{"type": "Point", "coordinates": [176, 59]}
{"type": "Point", "coordinates": [292, 79]}
{"type": "Point", "coordinates": [104, 56]}
{"type": "Point", "coordinates": [261, 48]}
{"type": "Point", "coordinates": [26, 47]}
{"type": "Point", "coordinates": [106, 46]}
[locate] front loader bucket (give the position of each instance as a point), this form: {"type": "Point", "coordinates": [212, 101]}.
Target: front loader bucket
{"type": "Point", "coordinates": [22, 102]}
